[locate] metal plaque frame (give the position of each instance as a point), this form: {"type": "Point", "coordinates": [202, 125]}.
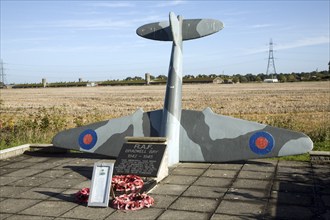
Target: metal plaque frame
{"type": "Point", "coordinates": [101, 184]}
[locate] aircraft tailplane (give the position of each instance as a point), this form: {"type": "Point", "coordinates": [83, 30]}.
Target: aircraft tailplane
{"type": "Point", "coordinates": [191, 29]}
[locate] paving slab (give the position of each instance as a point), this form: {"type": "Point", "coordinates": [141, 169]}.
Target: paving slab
{"type": "Point", "coordinates": [295, 170]}
{"type": "Point", "coordinates": [180, 180]}
{"type": "Point", "coordinates": [246, 194]}
{"type": "Point", "coordinates": [283, 198]}
{"type": "Point", "coordinates": [49, 208]}
{"type": "Point", "coordinates": [243, 209]}
{"type": "Point", "coordinates": [15, 206]}
{"type": "Point", "coordinates": [44, 165]}
{"type": "Point", "coordinates": [195, 204]}
{"type": "Point", "coordinates": [18, 158]}
{"type": "Point", "coordinates": [286, 186]}
{"type": "Point", "coordinates": [163, 201]}
{"type": "Point", "coordinates": [83, 184]}
{"type": "Point", "coordinates": [195, 165]}
{"type": "Point", "coordinates": [28, 217]}
{"type": "Point", "coordinates": [4, 180]}
{"type": "Point", "coordinates": [252, 184]}
{"type": "Point", "coordinates": [290, 212]}
{"type": "Point", "coordinates": [84, 212]}
{"type": "Point", "coordinates": [39, 193]}
{"type": "Point", "coordinates": [23, 172]}
{"type": "Point", "coordinates": [217, 216]}
{"type": "Point", "coordinates": [18, 165]}
{"type": "Point", "coordinates": [36, 160]}
{"type": "Point", "coordinates": [226, 166]}
{"type": "Point", "coordinates": [75, 166]}
{"type": "Point", "coordinates": [53, 173]}
{"type": "Point", "coordinates": [183, 215]}
{"type": "Point", "coordinates": [169, 189]}
{"type": "Point", "coordinates": [205, 192]}
{"type": "Point", "coordinates": [32, 181]}
{"type": "Point", "coordinates": [266, 166]}
{"type": "Point", "coordinates": [261, 175]}
{"type": "Point", "coordinates": [4, 162]}
{"type": "Point", "coordinates": [82, 174]}
{"type": "Point", "coordinates": [187, 171]}
{"type": "Point", "coordinates": [68, 196]}
{"type": "Point", "coordinates": [147, 213]}
{"type": "Point", "coordinates": [44, 185]}
{"type": "Point", "coordinates": [61, 183]}
{"type": "Point", "coordinates": [213, 181]}
{"type": "Point", "coordinates": [220, 173]}
{"type": "Point", "coordinates": [4, 171]}
{"type": "Point", "coordinates": [295, 177]}
{"type": "Point", "coordinates": [263, 167]}
{"type": "Point", "coordinates": [10, 191]}
{"type": "Point", "coordinates": [287, 163]}
{"type": "Point", "coordinates": [5, 215]}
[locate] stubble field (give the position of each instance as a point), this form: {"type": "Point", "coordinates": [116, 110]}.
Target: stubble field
{"type": "Point", "coordinates": [35, 115]}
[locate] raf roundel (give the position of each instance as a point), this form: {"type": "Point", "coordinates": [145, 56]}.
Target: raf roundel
{"type": "Point", "coordinates": [87, 139]}
{"type": "Point", "coordinates": [261, 143]}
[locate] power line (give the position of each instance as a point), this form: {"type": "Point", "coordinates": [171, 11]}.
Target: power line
{"type": "Point", "coordinates": [271, 63]}
{"type": "Point", "coordinates": [2, 74]}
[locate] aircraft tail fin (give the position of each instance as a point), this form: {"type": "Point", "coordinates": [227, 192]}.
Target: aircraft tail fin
{"type": "Point", "coordinates": [176, 23]}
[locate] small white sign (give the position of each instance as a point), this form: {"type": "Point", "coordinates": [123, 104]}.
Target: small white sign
{"type": "Point", "coordinates": [101, 184]}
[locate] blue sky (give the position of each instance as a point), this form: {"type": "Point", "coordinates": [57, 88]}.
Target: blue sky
{"type": "Point", "coordinates": [96, 40]}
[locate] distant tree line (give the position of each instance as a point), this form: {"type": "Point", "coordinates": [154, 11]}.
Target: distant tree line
{"type": "Point", "coordinates": [282, 77]}
{"type": "Point", "coordinates": [200, 78]}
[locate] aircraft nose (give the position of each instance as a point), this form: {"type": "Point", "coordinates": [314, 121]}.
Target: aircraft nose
{"type": "Point", "coordinates": [297, 146]}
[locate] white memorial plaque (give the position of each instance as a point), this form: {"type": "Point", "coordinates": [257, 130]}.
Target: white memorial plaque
{"type": "Point", "coordinates": [101, 184]}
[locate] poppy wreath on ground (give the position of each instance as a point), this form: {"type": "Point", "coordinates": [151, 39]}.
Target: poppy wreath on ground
{"type": "Point", "coordinates": [127, 183]}
{"type": "Point", "coordinates": [82, 195]}
{"type": "Point", "coordinates": [132, 201]}
{"type": "Point", "coordinates": [124, 183]}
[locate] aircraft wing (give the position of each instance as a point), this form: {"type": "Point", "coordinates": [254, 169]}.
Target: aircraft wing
{"type": "Point", "coordinates": [107, 137]}
{"type": "Point", "coordinates": [208, 137]}
{"type": "Point", "coordinates": [204, 137]}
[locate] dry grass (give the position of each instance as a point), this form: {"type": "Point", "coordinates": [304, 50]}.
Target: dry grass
{"type": "Point", "coordinates": [300, 106]}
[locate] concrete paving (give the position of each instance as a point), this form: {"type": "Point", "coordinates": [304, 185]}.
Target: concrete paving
{"type": "Point", "coordinates": [41, 186]}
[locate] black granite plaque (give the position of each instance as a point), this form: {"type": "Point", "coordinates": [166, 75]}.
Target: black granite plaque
{"type": "Point", "coordinates": [140, 159]}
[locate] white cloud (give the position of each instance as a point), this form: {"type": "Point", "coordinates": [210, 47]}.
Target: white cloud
{"type": "Point", "coordinates": [169, 3]}
{"type": "Point", "coordinates": [95, 24]}
{"type": "Point", "coordinates": [111, 4]}
{"type": "Point", "coordinates": [305, 42]}
{"type": "Point", "coordinates": [256, 26]}
{"type": "Point", "coordinates": [92, 24]}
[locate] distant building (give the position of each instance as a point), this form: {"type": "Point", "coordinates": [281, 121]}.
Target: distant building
{"type": "Point", "coordinates": [271, 80]}
{"type": "Point", "coordinates": [217, 80]}
{"type": "Point", "coordinates": [147, 78]}
{"type": "Point", "coordinates": [91, 84]}
{"type": "Point", "coordinates": [44, 82]}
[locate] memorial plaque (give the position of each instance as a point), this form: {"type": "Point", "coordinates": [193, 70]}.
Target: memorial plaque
{"type": "Point", "coordinates": [101, 183]}
{"type": "Point", "coordinates": [140, 159]}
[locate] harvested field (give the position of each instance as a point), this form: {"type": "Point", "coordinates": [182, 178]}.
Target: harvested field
{"type": "Point", "coordinates": [302, 106]}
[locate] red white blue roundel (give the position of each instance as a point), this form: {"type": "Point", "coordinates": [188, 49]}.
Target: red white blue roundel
{"type": "Point", "coordinates": [87, 139]}
{"type": "Point", "coordinates": [261, 142]}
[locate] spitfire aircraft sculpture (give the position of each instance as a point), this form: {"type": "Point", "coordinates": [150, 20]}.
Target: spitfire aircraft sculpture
{"type": "Point", "coordinates": [200, 136]}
